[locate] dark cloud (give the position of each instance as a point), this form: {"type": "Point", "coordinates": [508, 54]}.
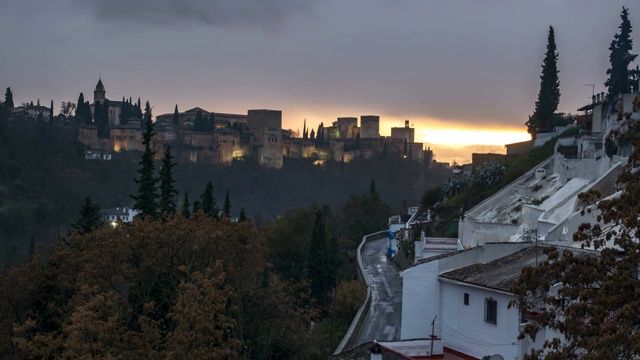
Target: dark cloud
{"type": "Point", "coordinates": [227, 14]}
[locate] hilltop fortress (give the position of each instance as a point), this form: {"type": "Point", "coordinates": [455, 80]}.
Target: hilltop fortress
{"type": "Point", "coordinates": [218, 138]}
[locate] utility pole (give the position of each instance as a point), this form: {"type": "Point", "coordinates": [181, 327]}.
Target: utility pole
{"type": "Point", "coordinates": [433, 336]}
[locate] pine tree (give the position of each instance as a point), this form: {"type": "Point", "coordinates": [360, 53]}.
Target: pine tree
{"type": "Point", "coordinates": [243, 216]}
{"type": "Point", "coordinates": [549, 94]}
{"type": "Point", "coordinates": [8, 98]}
{"type": "Point", "coordinates": [176, 116]}
{"type": "Point", "coordinates": [208, 201]}
{"type": "Point", "coordinates": [145, 201]}
{"type": "Point", "coordinates": [185, 205]}
{"type": "Point", "coordinates": [227, 205]}
{"type": "Point", "coordinates": [90, 217]}
{"type": "Point", "coordinates": [167, 190]}
{"type": "Point", "coordinates": [620, 57]}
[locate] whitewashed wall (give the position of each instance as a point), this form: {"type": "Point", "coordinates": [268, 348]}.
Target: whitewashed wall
{"type": "Point", "coordinates": [463, 327]}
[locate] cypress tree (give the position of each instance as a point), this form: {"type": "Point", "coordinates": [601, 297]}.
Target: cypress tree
{"type": "Point", "coordinates": [243, 216]}
{"type": "Point", "coordinates": [620, 57]}
{"type": "Point", "coordinates": [197, 122]}
{"type": "Point", "coordinates": [51, 115]}
{"type": "Point", "coordinates": [304, 130]}
{"type": "Point", "coordinates": [167, 190]}
{"type": "Point", "coordinates": [8, 98]}
{"type": "Point", "coordinates": [185, 206]}
{"type": "Point", "coordinates": [317, 252]}
{"type": "Point", "coordinates": [549, 93]}
{"type": "Point", "coordinates": [32, 247]}
{"type": "Point", "coordinates": [90, 217]}
{"type": "Point", "coordinates": [145, 200]}
{"type": "Point", "coordinates": [176, 116]}
{"type": "Point", "coordinates": [227, 205]}
{"type": "Point", "coordinates": [208, 201]}
{"type": "Point", "coordinates": [196, 207]}
{"type": "Point", "coordinates": [372, 188]}
{"type": "Point", "coordinates": [313, 135]}
{"type": "Point", "coordinates": [322, 267]}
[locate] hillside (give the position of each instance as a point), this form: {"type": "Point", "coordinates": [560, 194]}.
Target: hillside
{"type": "Point", "coordinates": [44, 177]}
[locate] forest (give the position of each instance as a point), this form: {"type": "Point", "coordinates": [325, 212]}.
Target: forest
{"type": "Point", "coordinates": [278, 283]}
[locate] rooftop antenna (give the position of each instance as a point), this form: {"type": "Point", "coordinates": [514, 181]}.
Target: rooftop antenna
{"type": "Point", "coordinates": [593, 89]}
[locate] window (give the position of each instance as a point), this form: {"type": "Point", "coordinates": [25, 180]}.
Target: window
{"type": "Point", "coordinates": [466, 298]}
{"type": "Point", "coordinates": [490, 310]}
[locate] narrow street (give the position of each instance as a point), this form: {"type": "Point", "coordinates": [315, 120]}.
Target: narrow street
{"type": "Point", "coordinates": [383, 321]}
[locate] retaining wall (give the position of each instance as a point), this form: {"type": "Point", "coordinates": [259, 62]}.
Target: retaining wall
{"type": "Point", "coordinates": [350, 338]}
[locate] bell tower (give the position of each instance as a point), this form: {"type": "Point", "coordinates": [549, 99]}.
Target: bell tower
{"type": "Point", "coordinates": [99, 92]}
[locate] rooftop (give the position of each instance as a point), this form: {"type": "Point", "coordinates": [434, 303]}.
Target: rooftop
{"type": "Point", "coordinates": [502, 273]}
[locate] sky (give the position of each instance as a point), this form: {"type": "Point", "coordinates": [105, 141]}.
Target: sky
{"type": "Point", "coordinates": [465, 73]}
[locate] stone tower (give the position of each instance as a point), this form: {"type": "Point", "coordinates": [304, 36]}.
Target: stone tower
{"type": "Point", "coordinates": [99, 93]}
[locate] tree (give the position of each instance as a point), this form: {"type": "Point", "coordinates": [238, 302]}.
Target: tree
{"type": "Point", "coordinates": [594, 303]}
{"type": "Point", "coordinates": [305, 133]}
{"type": "Point", "coordinates": [8, 98]}
{"type": "Point", "coordinates": [208, 201]}
{"type": "Point", "coordinates": [549, 93]}
{"type": "Point", "coordinates": [226, 209]}
{"type": "Point", "coordinates": [322, 263]}
{"type": "Point", "coordinates": [196, 207]}
{"type": "Point", "coordinates": [51, 113]}
{"type": "Point", "coordinates": [145, 200]}
{"type": "Point", "coordinates": [243, 216]}
{"type": "Point", "coordinates": [90, 217]}
{"type": "Point", "coordinates": [198, 122]}
{"type": "Point", "coordinates": [620, 57]}
{"type": "Point", "coordinates": [195, 291]}
{"type": "Point", "coordinates": [373, 191]}
{"type": "Point", "coordinates": [176, 116]}
{"type": "Point", "coordinates": [185, 206]}
{"type": "Point", "coordinates": [67, 108]}
{"type": "Point", "coordinates": [168, 191]}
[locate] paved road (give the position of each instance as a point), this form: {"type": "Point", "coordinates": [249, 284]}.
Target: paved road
{"type": "Point", "coordinates": [385, 314]}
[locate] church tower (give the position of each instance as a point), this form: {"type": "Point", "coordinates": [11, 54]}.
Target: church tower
{"type": "Point", "coordinates": [99, 92]}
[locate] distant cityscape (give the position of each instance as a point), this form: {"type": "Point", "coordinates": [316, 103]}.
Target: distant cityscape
{"type": "Point", "coordinates": [217, 138]}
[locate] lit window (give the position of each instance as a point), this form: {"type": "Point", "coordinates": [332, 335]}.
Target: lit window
{"type": "Point", "coordinates": [490, 310]}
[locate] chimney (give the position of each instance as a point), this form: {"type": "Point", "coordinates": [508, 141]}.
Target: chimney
{"type": "Point", "coordinates": [376, 352]}
{"type": "Point", "coordinates": [406, 123]}
{"type": "Point", "coordinates": [597, 97]}
{"type": "Point", "coordinates": [593, 99]}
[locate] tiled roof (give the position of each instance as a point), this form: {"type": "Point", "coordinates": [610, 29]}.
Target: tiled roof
{"type": "Point", "coordinates": [502, 273]}
{"type": "Point", "coordinates": [363, 352]}
{"type": "Point", "coordinates": [438, 257]}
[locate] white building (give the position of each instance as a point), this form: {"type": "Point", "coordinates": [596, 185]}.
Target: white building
{"type": "Point", "coordinates": [123, 214]}
{"type": "Point", "coordinates": [467, 293]}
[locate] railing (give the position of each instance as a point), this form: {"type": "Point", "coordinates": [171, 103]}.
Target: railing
{"type": "Point", "coordinates": [349, 339]}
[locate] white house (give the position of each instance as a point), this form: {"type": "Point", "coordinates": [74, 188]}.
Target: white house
{"type": "Point", "coordinates": [123, 214]}
{"type": "Point", "coordinates": [467, 293]}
